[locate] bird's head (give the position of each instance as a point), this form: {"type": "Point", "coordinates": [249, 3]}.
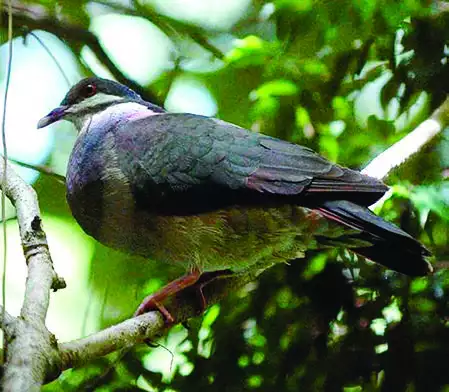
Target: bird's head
{"type": "Point", "coordinates": [88, 97]}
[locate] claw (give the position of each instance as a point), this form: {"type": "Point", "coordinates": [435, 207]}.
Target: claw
{"type": "Point", "coordinates": [155, 301]}
{"type": "Point", "coordinates": [151, 303]}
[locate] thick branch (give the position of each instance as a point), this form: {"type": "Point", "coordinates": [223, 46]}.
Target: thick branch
{"type": "Point", "coordinates": [7, 325]}
{"type": "Point", "coordinates": [126, 334]}
{"type": "Point", "coordinates": [148, 326]}
{"type": "Point", "coordinates": [28, 360]}
{"type": "Point", "coordinates": [8, 319]}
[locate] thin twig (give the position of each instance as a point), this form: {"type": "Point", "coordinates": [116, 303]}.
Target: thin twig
{"type": "Point", "coordinates": [4, 177]}
{"type": "Point", "coordinates": [40, 168]}
{"type": "Point", "coordinates": [73, 33]}
{"type": "Point", "coordinates": [123, 335]}
{"type": "Point", "coordinates": [167, 25]}
{"type": "Point", "coordinates": [55, 60]}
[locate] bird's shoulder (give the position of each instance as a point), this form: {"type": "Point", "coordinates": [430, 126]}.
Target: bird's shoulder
{"type": "Point", "coordinates": [208, 138]}
{"type": "Point", "coordinates": [181, 142]}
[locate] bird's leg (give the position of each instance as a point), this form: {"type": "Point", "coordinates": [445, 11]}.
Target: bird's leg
{"type": "Point", "coordinates": [195, 280]}
{"type": "Point", "coordinates": [154, 301]}
{"type": "Point", "coordinates": [204, 280]}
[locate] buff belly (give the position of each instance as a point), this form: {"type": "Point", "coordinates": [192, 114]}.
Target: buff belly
{"type": "Point", "coordinates": [233, 238]}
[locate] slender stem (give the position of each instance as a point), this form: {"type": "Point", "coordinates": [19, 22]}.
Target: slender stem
{"type": "Point", "coordinates": [4, 177]}
{"type": "Point", "coordinates": [55, 60]}
{"type": "Point", "coordinates": [40, 168]}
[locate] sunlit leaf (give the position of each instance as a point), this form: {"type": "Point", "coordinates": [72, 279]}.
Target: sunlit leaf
{"type": "Point", "coordinates": [275, 88]}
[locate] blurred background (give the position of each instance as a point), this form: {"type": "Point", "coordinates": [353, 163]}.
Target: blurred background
{"type": "Point", "coordinates": [347, 78]}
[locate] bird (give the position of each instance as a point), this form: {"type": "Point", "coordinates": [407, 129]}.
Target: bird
{"type": "Point", "coordinates": [208, 195]}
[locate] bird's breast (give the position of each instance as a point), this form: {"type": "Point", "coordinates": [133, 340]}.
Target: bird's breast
{"type": "Point", "coordinates": [98, 192]}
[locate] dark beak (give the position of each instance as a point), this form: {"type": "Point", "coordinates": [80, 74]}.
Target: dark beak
{"type": "Point", "coordinates": [55, 115]}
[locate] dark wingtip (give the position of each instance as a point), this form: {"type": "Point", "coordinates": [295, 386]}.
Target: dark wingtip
{"type": "Point", "coordinates": [391, 246]}
{"type": "Point", "coordinates": [412, 262]}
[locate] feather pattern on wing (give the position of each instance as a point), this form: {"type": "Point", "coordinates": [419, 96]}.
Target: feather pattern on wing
{"type": "Point", "coordinates": [192, 158]}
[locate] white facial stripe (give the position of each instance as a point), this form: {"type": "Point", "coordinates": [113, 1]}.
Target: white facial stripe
{"type": "Point", "coordinates": [90, 103]}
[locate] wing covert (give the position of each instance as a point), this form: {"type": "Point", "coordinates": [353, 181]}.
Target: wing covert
{"type": "Point", "coordinates": [182, 156]}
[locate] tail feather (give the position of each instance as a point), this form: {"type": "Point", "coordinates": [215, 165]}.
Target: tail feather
{"type": "Point", "coordinates": [391, 246]}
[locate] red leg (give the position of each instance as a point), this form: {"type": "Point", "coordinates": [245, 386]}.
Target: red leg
{"type": "Point", "coordinates": [154, 301]}
{"type": "Point", "coordinates": [194, 280]}
{"type": "Point", "coordinates": [204, 280]}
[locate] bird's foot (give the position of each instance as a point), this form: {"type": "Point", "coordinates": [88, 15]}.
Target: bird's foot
{"type": "Point", "coordinates": [151, 303]}
{"type": "Point", "coordinates": [193, 281]}
{"type": "Point", "coordinates": [155, 301]}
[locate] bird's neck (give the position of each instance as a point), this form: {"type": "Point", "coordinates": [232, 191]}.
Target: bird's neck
{"type": "Point", "coordinates": [113, 114]}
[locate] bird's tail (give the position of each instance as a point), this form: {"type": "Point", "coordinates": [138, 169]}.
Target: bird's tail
{"type": "Point", "coordinates": [390, 246]}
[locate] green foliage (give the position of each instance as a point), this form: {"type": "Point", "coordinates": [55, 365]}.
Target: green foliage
{"type": "Point", "coordinates": [336, 76]}
{"type": "Point", "coordinates": [250, 50]}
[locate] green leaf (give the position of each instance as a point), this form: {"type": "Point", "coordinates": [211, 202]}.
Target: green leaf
{"type": "Point", "coordinates": [250, 50]}
{"type": "Point", "coordinates": [315, 266]}
{"type": "Point", "coordinates": [418, 285]}
{"type": "Point", "coordinates": [423, 305]}
{"type": "Point", "coordinates": [329, 147]}
{"type": "Point", "coordinates": [211, 315]}
{"type": "Point", "coordinates": [302, 117]}
{"type": "Point", "coordinates": [294, 5]}
{"type": "Point", "coordinates": [432, 198]}
{"type": "Point", "coordinates": [342, 107]}
{"type": "Point", "coordinates": [268, 106]}
{"type": "Point", "coordinates": [315, 67]}
{"type": "Point", "coordinates": [276, 88]}
{"type": "Point", "coordinates": [400, 190]}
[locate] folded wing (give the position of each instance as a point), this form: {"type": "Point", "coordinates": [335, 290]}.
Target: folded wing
{"type": "Point", "coordinates": [199, 163]}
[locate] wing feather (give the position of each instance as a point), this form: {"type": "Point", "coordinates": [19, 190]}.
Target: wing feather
{"type": "Point", "coordinates": [186, 153]}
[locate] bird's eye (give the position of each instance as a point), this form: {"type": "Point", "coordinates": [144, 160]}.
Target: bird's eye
{"type": "Point", "coordinates": [90, 90]}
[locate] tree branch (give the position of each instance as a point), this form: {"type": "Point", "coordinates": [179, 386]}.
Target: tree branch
{"type": "Point", "coordinates": [32, 20]}
{"type": "Point", "coordinates": [28, 359]}
{"type": "Point", "coordinates": [126, 334]}
{"type": "Point", "coordinates": [406, 148]}
{"type": "Point", "coordinates": [167, 25]}
{"type": "Point", "coordinates": [182, 307]}
{"type": "Point", "coordinates": [6, 325]}
{"type": "Point", "coordinates": [39, 168]}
